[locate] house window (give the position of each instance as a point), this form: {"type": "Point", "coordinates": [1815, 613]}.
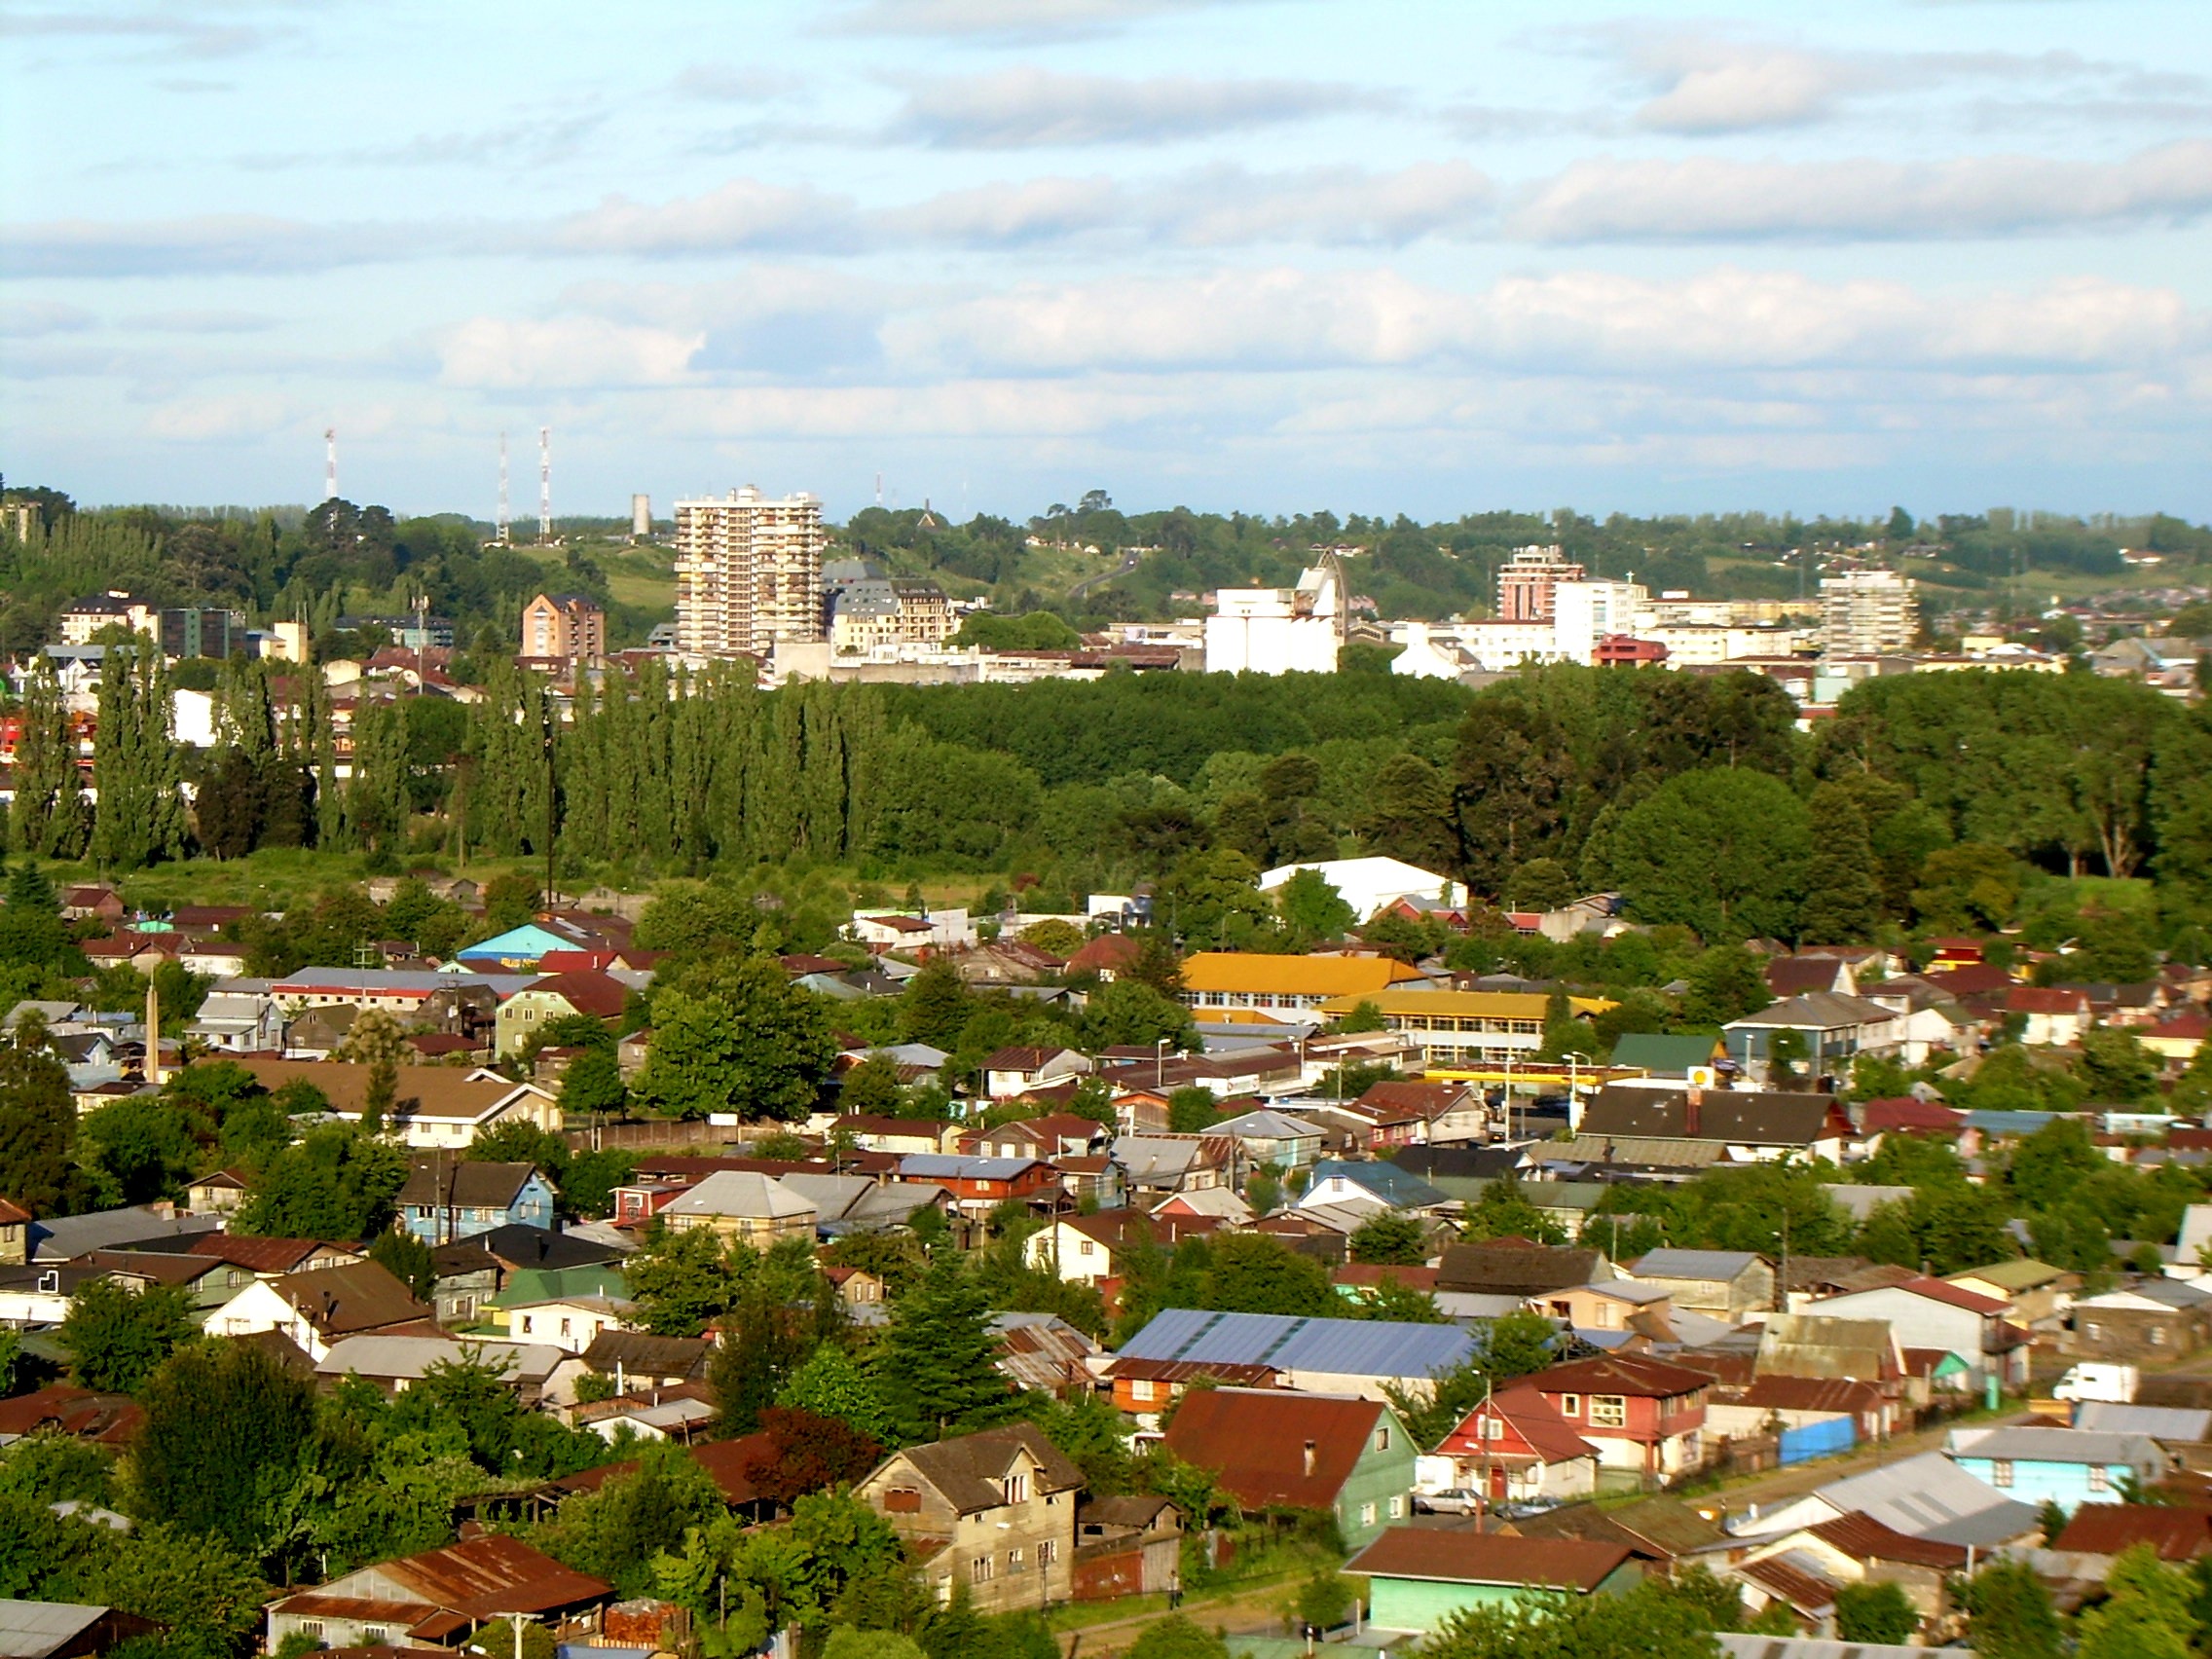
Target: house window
{"type": "Point", "coordinates": [1609, 1411]}
{"type": "Point", "coordinates": [1367, 1515]}
{"type": "Point", "coordinates": [2001, 1472]}
{"type": "Point", "coordinates": [1382, 1438]}
{"type": "Point", "coordinates": [375, 1636]}
{"type": "Point", "coordinates": [1140, 1390]}
{"type": "Point", "coordinates": [2093, 1331]}
{"type": "Point", "coordinates": [1016, 1488]}
{"type": "Point", "coordinates": [2158, 1336]}
{"type": "Point", "coordinates": [1397, 1508]}
{"type": "Point", "coordinates": [310, 1627]}
{"type": "Point", "coordinates": [464, 1307]}
{"type": "Point", "coordinates": [1493, 1428]}
{"type": "Point", "coordinates": [1571, 1405]}
{"type": "Point", "coordinates": [2100, 1478]}
{"type": "Point", "coordinates": [979, 1571]}
{"type": "Point", "coordinates": [1086, 1248]}
{"type": "Point", "coordinates": [1047, 1553]}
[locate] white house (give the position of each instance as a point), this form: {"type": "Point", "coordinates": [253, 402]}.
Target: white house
{"type": "Point", "coordinates": [238, 1022]}
{"type": "Point", "coordinates": [1369, 884]}
{"type": "Point", "coordinates": [571, 1323]}
{"type": "Point", "coordinates": [922, 930]}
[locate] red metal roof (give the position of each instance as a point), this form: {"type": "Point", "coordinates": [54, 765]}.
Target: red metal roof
{"type": "Point", "coordinates": [1256, 1440]}
{"type": "Point", "coordinates": [1619, 1374]}
{"type": "Point", "coordinates": [1905, 1113]}
{"type": "Point", "coordinates": [2176, 1533]}
{"type": "Point", "coordinates": [494, 1574]}
{"type": "Point", "coordinates": [1869, 1539]}
{"type": "Point", "coordinates": [2045, 999]}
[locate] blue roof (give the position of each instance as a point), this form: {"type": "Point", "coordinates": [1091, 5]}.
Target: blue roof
{"type": "Point", "coordinates": [2010, 1123]}
{"type": "Point", "coordinates": [526, 944]}
{"type": "Point", "coordinates": [1356, 1347]}
{"type": "Point", "coordinates": [1398, 1188]}
{"type": "Point", "coordinates": [957, 1167]}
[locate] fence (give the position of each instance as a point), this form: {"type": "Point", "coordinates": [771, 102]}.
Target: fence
{"type": "Point", "coordinates": [1813, 1440]}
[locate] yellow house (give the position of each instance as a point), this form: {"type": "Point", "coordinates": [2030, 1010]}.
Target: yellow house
{"type": "Point", "coordinates": [1215, 980]}
{"type": "Point", "coordinates": [741, 1204]}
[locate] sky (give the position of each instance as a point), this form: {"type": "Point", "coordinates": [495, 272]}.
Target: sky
{"type": "Point", "coordinates": [1381, 256]}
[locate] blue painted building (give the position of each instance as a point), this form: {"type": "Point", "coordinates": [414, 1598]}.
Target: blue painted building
{"type": "Point", "coordinates": [2066, 1467]}
{"type": "Point", "coordinates": [447, 1198]}
{"type": "Point", "coordinates": [518, 950]}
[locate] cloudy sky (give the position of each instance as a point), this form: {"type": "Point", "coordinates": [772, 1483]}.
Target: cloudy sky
{"type": "Point", "coordinates": [1376, 255]}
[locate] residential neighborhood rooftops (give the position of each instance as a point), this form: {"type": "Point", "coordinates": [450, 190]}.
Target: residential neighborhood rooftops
{"type": "Point", "coordinates": [969, 1470]}
{"type": "Point", "coordinates": [1300, 976]}
{"type": "Point", "coordinates": [1257, 1441]}
{"type": "Point", "coordinates": [1692, 1264]}
{"type": "Point", "coordinates": [2177, 1532]}
{"type": "Point", "coordinates": [1366, 1347]}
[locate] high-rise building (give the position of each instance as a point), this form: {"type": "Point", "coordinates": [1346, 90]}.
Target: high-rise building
{"type": "Point", "coordinates": [1584, 613]}
{"type": "Point", "coordinates": [1526, 582]}
{"type": "Point", "coordinates": [1866, 613]}
{"type": "Point", "coordinates": [747, 573]}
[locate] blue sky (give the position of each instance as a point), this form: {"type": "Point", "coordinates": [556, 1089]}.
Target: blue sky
{"type": "Point", "coordinates": [1269, 254]}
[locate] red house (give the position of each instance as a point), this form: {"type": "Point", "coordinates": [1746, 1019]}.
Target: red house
{"type": "Point", "coordinates": [1515, 1447]}
{"type": "Point", "coordinates": [979, 1184]}
{"type": "Point", "coordinates": [1640, 1414]}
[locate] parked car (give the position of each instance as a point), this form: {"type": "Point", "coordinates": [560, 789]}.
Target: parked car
{"type": "Point", "coordinates": [1452, 1501]}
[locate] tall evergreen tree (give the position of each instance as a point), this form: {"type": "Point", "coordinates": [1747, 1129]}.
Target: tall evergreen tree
{"type": "Point", "coordinates": [37, 1120]}
{"type": "Point", "coordinates": [1843, 890]}
{"type": "Point", "coordinates": [136, 768]}
{"type": "Point", "coordinates": [49, 811]}
{"type": "Point", "coordinates": [935, 1364]}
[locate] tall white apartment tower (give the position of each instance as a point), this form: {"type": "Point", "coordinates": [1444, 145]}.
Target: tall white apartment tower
{"type": "Point", "coordinates": [1866, 613]}
{"type": "Point", "coordinates": [747, 573]}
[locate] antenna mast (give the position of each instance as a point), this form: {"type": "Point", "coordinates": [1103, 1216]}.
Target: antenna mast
{"type": "Point", "coordinates": [544, 485]}
{"type": "Point", "coordinates": [330, 463]}
{"type": "Point", "coordinates": [507, 535]}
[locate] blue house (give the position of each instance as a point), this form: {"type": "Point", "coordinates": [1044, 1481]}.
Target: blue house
{"type": "Point", "coordinates": [517, 950]}
{"type": "Point", "coordinates": [2068, 1466]}
{"type": "Point", "coordinates": [447, 1199]}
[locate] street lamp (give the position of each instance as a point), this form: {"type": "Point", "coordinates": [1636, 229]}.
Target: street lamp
{"type": "Point", "coordinates": [1573, 1089]}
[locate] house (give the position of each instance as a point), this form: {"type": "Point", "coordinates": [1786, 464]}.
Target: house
{"type": "Point", "coordinates": [1006, 962]}
{"type": "Point", "coordinates": [1923, 1497]}
{"type": "Point", "coordinates": [1215, 982]}
{"type": "Point", "coordinates": [14, 1233]}
{"type": "Point", "coordinates": [1689, 1060]}
{"type": "Point", "coordinates": [1106, 955]}
{"type": "Point", "coordinates": [449, 1198]}
{"type": "Point", "coordinates": [1465, 1031]}
{"type": "Point", "coordinates": [2176, 1533]}
{"type": "Point", "coordinates": [1797, 976]}
{"type": "Point", "coordinates": [1728, 1284]}
{"type": "Point", "coordinates": [885, 931]}
{"type": "Point", "coordinates": [2049, 1015]}
{"type": "Point", "coordinates": [2037, 1293]}
{"type": "Point", "coordinates": [899, 1137]}
{"type": "Point", "coordinates": [1347, 1356]}
{"type": "Point", "coordinates": [319, 1308]}
{"type": "Point", "coordinates": [591, 992]}
{"type": "Point", "coordinates": [1828, 1412]}
{"type": "Point", "coordinates": [434, 1106]}
{"type": "Point", "coordinates": [2066, 1467]}
{"type": "Point", "coordinates": [1274, 1139]}
{"type": "Point", "coordinates": [570, 1309]}
{"type": "Point", "coordinates": [1425, 1114]}
{"type": "Point", "coordinates": [91, 901]}
{"type": "Point", "coordinates": [67, 1630]}
{"type": "Point", "coordinates": [1835, 1029]}
{"type": "Point", "coordinates": [1658, 1530]}
{"type": "Point", "coordinates": [2151, 1320]}
{"type": "Point", "coordinates": [681, 1414]}
{"type": "Point", "coordinates": [55, 1238]}
{"type": "Point", "coordinates": [1056, 1135]}
{"type": "Point", "coordinates": [238, 1023]}
{"type": "Point", "coordinates": [1514, 1447]}
{"type": "Point", "coordinates": [219, 1194]}
{"type": "Point", "coordinates": [1751, 1126]}
{"type": "Point", "coordinates": [395, 1364]}
{"type": "Point", "coordinates": [1372, 884]}
{"type": "Point", "coordinates": [1127, 1546]}
{"type": "Point", "coordinates": [1420, 1578]}
{"type": "Point", "coordinates": [440, 1597]}
{"type": "Point", "coordinates": [1045, 1352]}
{"type": "Point", "coordinates": [994, 1511]}
{"type": "Point", "coordinates": [1094, 1249]}
{"type": "Point", "coordinates": [1813, 1345]}
{"type": "Point", "coordinates": [979, 1184]}
{"type": "Point", "coordinates": [1342, 1455]}
{"type": "Point", "coordinates": [742, 1204]}
{"type": "Point", "coordinates": [639, 1360]}
{"type": "Point", "coordinates": [1642, 1414]}
{"type": "Point", "coordinates": [1158, 1166]}
{"type": "Point", "coordinates": [1612, 1305]}
{"type": "Point", "coordinates": [1015, 1071]}
{"type": "Point", "coordinates": [1514, 1266]}
{"type": "Point", "coordinates": [1929, 1313]}
{"type": "Point", "coordinates": [1858, 1549]}
{"type": "Point", "coordinates": [1339, 1181]}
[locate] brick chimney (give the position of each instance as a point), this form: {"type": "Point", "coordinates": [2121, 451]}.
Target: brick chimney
{"type": "Point", "coordinates": [1692, 1099]}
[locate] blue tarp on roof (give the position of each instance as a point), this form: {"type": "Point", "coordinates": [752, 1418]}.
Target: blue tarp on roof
{"type": "Point", "coordinates": [1356, 1347]}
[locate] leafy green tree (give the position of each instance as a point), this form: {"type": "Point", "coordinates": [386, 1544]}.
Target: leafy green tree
{"type": "Point", "coordinates": [1253, 1272]}
{"type": "Point", "coordinates": [137, 771]}
{"type": "Point", "coordinates": [519, 1141]}
{"type": "Point", "coordinates": [1503, 1210]}
{"type": "Point", "coordinates": [2010, 1613]}
{"type": "Point", "coordinates": [117, 1338]}
{"type": "Point", "coordinates": [1324, 1601]}
{"type": "Point", "coordinates": [830, 1384]}
{"type": "Point", "coordinates": [2117, 1067]}
{"type": "Point", "coordinates": [37, 1120]}
{"type": "Point", "coordinates": [615, 1532]}
{"type": "Point", "coordinates": [680, 1280]}
{"type": "Point", "coordinates": [846, 1643]}
{"type": "Point", "coordinates": [1391, 1238]}
{"type": "Point", "coordinates": [1127, 1013]}
{"type": "Point", "coordinates": [225, 1431]}
{"type": "Point", "coordinates": [1843, 893]}
{"type": "Point", "coordinates": [1192, 1110]}
{"type": "Point", "coordinates": [873, 1088]}
{"type": "Point", "coordinates": [207, 1590]}
{"type": "Point", "coordinates": [593, 1085]}
{"type": "Point", "coordinates": [1726, 982]}
{"type": "Point", "coordinates": [1875, 1613]}
{"type": "Point", "coordinates": [1213, 899]}
{"type": "Point", "coordinates": [32, 931]}
{"type": "Point", "coordinates": [1724, 852]}
{"type": "Point", "coordinates": [138, 1150]}
{"type": "Point", "coordinates": [936, 1362]}
{"type": "Point", "coordinates": [935, 1006]}
{"type": "Point", "coordinates": [49, 816]}
{"type": "Point", "coordinates": [1177, 1637]}
{"type": "Point", "coordinates": [1311, 908]}
{"type": "Point", "coordinates": [736, 1037]}
{"type": "Point", "coordinates": [337, 1183]}
{"type": "Point", "coordinates": [408, 1260]}
{"type": "Point", "coordinates": [1653, 1621]}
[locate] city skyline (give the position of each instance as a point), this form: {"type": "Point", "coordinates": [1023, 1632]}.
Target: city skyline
{"type": "Point", "coordinates": [1276, 256]}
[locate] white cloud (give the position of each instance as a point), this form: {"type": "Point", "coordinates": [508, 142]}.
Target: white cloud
{"type": "Point", "coordinates": [1027, 107]}
{"type": "Point", "coordinates": [209, 242]}
{"type": "Point", "coordinates": [1712, 198]}
{"type": "Point", "coordinates": [1341, 205]}
{"type": "Point", "coordinates": [21, 320]}
{"type": "Point", "coordinates": [744, 213]}
{"type": "Point", "coordinates": [999, 19]}
{"type": "Point", "coordinates": [1766, 89]}
{"type": "Point", "coordinates": [225, 419]}
{"type": "Point", "coordinates": [506, 354]}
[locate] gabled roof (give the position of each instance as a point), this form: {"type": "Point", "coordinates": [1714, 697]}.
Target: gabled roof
{"type": "Point", "coordinates": [444, 1093]}
{"type": "Point", "coordinates": [1343, 1348]}
{"type": "Point", "coordinates": [2057, 1446]}
{"type": "Point", "coordinates": [1905, 1114]}
{"type": "Point", "coordinates": [485, 1576]}
{"type": "Point", "coordinates": [1527, 1413]}
{"type": "Point", "coordinates": [739, 1192]}
{"type": "Point", "coordinates": [1662, 1527]}
{"type": "Point", "coordinates": [1869, 1539]}
{"type": "Point", "coordinates": [1619, 1374]}
{"type": "Point", "coordinates": [1296, 976]}
{"type": "Point", "coordinates": [1737, 1117]}
{"type": "Point", "coordinates": [587, 990]}
{"type": "Point", "coordinates": [360, 1296]}
{"type": "Point", "coordinates": [1816, 1010]}
{"type": "Point", "coordinates": [1397, 1187]}
{"type": "Point", "coordinates": [264, 1255]}
{"type": "Point", "coordinates": [1664, 1055]}
{"type": "Point", "coordinates": [464, 1183]}
{"type": "Point", "coordinates": [1718, 1266]}
{"type": "Point", "coordinates": [2046, 999]}
{"type": "Point", "coordinates": [1254, 1441]}
{"type": "Point", "coordinates": [1930, 1496]}
{"type": "Point", "coordinates": [2176, 1533]}
{"type": "Point", "coordinates": [640, 1353]}
{"type": "Point", "coordinates": [1516, 1267]}
{"type": "Point", "coordinates": [1488, 1558]}
{"type": "Point", "coordinates": [969, 1470]}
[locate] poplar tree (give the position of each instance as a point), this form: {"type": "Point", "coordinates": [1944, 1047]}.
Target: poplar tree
{"type": "Point", "coordinates": [136, 766]}
{"type": "Point", "coordinates": [49, 813]}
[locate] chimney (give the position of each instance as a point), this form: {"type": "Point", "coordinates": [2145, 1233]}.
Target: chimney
{"type": "Point", "coordinates": [1692, 1099]}
{"type": "Point", "coordinates": [1311, 1459]}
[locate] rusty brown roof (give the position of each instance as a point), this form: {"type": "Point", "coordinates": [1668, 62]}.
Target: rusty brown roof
{"type": "Point", "coordinates": [484, 1577]}
{"type": "Point", "coordinates": [357, 1297]}
{"type": "Point", "coordinates": [2176, 1533]}
{"type": "Point", "coordinates": [1255, 1440]}
{"type": "Point", "coordinates": [1488, 1558]}
{"type": "Point", "coordinates": [1869, 1539]}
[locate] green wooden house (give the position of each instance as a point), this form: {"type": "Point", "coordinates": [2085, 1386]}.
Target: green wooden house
{"type": "Point", "coordinates": [1417, 1578]}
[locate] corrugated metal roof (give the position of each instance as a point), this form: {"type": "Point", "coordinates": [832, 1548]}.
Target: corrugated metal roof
{"type": "Point", "coordinates": [1930, 1496]}
{"type": "Point", "coordinates": [2159, 1423]}
{"type": "Point", "coordinates": [1811, 1647]}
{"type": "Point", "coordinates": [2056, 1446]}
{"type": "Point", "coordinates": [1349, 1348]}
{"type": "Point", "coordinates": [1719, 1264]}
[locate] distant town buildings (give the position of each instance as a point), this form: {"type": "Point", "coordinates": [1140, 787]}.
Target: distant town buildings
{"type": "Point", "coordinates": [877, 611]}
{"type": "Point", "coordinates": [747, 573]}
{"type": "Point", "coordinates": [1279, 630]}
{"type": "Point", "coordinates": [1865, 613]}
{"type": "Point", "coordinates": [1529, 580]}
{"type": "Point", "coordinates": [564, 627]}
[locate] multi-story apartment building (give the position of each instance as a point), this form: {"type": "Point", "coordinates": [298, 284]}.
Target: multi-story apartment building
{"type": "Point", "coordinates": [889, 611]}
{"type": "Point", "coordinates": [568, 626]}
{"type": "Point", "coordinates": [1527, 581]}
{"type": "Point", "coordinates": [747, 573]}
{"type": "Point", "coordinates": [1866, 613]}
